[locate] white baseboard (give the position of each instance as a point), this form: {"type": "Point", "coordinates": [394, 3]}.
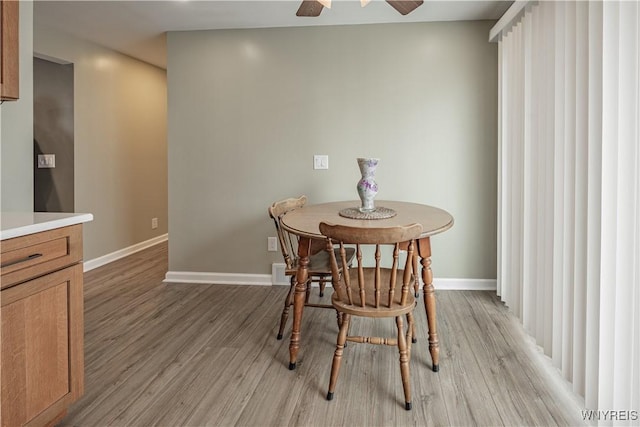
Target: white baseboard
{"type": "Point", "coordinates": [217, 278]}
{"type": "Point", "coordinates": [464, 284]}
{"type": "Point", "coordinates": [277, 278]}
{"type": "Point", "coordinates": [113, 256]}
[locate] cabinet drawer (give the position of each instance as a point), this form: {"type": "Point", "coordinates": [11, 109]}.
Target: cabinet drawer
{"type": "Point", "coordinates": [26, 257]}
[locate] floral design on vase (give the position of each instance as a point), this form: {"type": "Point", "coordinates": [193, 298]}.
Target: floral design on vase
{"type": "Point", "coordinates": [367, 187]}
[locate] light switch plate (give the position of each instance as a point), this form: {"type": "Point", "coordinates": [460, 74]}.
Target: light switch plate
{"type": "Point", "coordinates": [321, 161]}
{"type": "Point", "coordinates": [46, 161]}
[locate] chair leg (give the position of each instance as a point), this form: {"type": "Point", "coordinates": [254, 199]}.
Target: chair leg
{"type": "Point", "coordinates": [413, 338]}
{"type": "Point", "coordinates": [340, 316]}
{"type": "Point", "coordinates": [404, 363]}
{"type": "Point", "coordinates": [287, 303]}
{"type": "Point", "coordinates": [337, 356]}
{"type": "Point", "coordinates": [323, 283]}
{"type": "Point", "coordinates": [411, 330]}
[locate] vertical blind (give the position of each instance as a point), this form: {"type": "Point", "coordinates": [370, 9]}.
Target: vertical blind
{"type": "Point", "coordinates": [569, 190]}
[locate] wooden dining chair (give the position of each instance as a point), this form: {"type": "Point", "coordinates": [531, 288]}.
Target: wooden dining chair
{"type": "Point", "coordinates": [373, 291]}
{"type": "Point", "coordinates": [319, 270]}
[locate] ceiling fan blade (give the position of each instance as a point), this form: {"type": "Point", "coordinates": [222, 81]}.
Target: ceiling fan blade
{"type": "Point", "coordinates": [405, 6]}
{"type": "Point", "coordinates": [309, 8]}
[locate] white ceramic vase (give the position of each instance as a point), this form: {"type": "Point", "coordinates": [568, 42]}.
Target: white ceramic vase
{"type": "Point", "coordinates": [367, 187]}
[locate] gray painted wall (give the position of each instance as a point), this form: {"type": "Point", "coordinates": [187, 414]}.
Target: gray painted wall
{"type": "Point", "coordinates": [53, 134]}
{"type": "Point", "coordinates": [120, 142]}
{"type": "Point", "coordinates": [16, 134]}
{"type": "Point", "coordinates": [248, 109]}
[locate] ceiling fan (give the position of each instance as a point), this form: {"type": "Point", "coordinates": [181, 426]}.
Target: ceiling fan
{"type": "Point", "coordinates": [314, 7]}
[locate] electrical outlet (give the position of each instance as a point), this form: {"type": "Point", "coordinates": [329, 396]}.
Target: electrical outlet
{"type": "Point", "coordinates": [46, 161]}
{"type": "Point", "coordinates": [321, 161]}
{"type": "Point", "coordinates": [272, 244]}
{"type": "Point", "coordinates": [154, 223]}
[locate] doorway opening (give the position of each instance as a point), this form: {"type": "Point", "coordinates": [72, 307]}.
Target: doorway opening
{"type": "Point", "coordinates": [53, 136]}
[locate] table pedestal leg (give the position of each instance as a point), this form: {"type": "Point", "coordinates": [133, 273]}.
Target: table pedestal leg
{"type": "Point", "coordinates": [424, 248]}
{"type": "Point", "coordinates": [304, 247]}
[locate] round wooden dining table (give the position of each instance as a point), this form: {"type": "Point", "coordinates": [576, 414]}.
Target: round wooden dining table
{"type": "Point", "coordinates": [305, 222]}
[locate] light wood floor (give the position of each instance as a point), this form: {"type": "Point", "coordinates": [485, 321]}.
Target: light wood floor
{"type": "Point", "coordinates": [190, 355]}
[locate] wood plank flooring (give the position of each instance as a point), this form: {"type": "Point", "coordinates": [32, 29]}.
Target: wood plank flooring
{"type": "Point", "coordinates": [194, 355]}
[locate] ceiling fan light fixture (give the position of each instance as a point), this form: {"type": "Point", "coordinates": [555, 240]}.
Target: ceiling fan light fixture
{"type": "Point", "coordinates": [313, 8]}
{"type": "Point", "coordinates": [405, 7]}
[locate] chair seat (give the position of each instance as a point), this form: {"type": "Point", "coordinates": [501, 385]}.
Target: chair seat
{"type": "Point", "coordinates": [369, 309]}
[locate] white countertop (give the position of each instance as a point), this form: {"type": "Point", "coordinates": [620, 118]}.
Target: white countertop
{"type": "Point", "coordinates": [16, 224]}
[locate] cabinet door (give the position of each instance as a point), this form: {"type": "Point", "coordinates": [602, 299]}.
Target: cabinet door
{"type": "Point", "coordinates": [9, 52]}
{"type": "Point", "coordinates": [42, 353]}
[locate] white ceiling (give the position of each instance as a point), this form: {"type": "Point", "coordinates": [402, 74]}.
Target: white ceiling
{"type": "Point", "coordinates": [137, 28]}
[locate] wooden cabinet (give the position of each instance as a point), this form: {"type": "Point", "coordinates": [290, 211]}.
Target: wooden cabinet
{"type": "Point", "coordinates": [41, 318]}
{"type": "Point", "coordinates": [9, 56]}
